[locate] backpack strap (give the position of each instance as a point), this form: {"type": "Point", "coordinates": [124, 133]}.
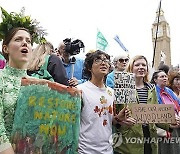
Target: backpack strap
{"type": "Point", "coordinates": [45, 65]}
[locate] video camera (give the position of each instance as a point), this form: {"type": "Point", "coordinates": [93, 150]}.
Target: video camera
{"type": "Point", "coordinates": [73, 47]}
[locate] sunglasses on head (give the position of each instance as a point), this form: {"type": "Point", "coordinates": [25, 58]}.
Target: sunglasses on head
{"type": "Point", "coordinates": [123, 60]}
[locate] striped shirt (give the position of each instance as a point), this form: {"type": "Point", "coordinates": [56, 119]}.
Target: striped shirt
{"type": "Point", "coordinates": [142, 94]}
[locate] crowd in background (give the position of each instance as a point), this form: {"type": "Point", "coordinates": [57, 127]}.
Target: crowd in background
{"type": "Point", "coordinates": [95, 78]}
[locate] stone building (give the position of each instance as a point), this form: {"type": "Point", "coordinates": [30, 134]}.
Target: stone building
{"type": "Point", "coordinates": [163, 40]}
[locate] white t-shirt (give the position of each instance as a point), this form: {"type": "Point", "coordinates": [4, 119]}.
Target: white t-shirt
{"type": "Point", "coordinates": [96, 119]}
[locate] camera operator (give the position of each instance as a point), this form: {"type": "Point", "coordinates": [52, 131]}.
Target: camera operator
{"type": "Point", "coordinates": [73, 66]}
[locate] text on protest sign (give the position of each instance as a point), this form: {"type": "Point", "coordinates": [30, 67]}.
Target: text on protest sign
{"type": "Point", "coordinates": [153, 113]}
{"type": "Point", "coordinates": [124, 88]}
{"type": "Point", "coordinates": [46, 121]}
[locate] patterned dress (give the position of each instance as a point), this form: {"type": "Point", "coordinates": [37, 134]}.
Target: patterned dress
{"type": "Point", "coordinates": [10, 83]}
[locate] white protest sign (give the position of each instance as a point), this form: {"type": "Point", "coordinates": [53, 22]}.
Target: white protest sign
{"type": "Point", "coordinates": [124, 88]}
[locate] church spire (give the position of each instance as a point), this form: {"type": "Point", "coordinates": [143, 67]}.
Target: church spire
{"type": "Point", "coordinates": [161, 16]}
{"type": "Point", "coordinates": [161, 39]}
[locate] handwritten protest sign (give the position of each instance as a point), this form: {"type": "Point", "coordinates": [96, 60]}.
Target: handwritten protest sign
{"type": "Point", "coordinates": [125, 89]}
{"type": "Point", "coordinates": [153, 113]}
{"type": "Point", "coordinates": [46, 120]}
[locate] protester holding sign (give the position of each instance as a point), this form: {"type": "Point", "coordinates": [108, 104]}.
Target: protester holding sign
{"type": "Point", "coordinates": [97, 107]}
{"type": "Point", "coordinates": [146, 94]}
{"type": "Point", "coordinates": [16, 48]}
{"type": "Point", "coordinates": [166, 96]}
{"type": "Point", "coordinates": [120, 64]}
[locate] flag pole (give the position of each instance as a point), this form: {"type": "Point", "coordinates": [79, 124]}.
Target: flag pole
{"type": "Point", "coordinates": [159, 11]}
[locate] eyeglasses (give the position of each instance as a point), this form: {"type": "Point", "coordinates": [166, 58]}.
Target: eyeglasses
{"type": "Point", "coordinates": [123, 60]}
{"type": "Point", "coordinates": [99, 61]}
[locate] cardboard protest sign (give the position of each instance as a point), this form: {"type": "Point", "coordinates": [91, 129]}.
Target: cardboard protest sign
{"type": "Point", "coordinates": [153, 113]}
{"type": "Point", "coordinates": [47, 119]}
{"type": "Point", "coordinates": [124, 89]}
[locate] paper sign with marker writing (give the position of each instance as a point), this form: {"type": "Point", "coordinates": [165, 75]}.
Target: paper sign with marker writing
{"type": "Point", "coordinates": [124, 89]}
{"type": "Point", "coordinates": [153, 113]}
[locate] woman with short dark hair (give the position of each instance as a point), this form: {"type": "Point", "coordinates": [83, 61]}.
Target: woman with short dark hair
{"type": "Point", "coordinates": [97, 109]}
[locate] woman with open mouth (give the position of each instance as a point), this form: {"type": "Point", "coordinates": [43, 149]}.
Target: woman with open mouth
{"type": "Point", "coordinates": [17, 50]}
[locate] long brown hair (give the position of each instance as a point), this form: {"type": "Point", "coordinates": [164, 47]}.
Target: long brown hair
{"type": "Point", "coordinates": [171, 76]}
{"type": "Point", "coordinates": [8, 38]}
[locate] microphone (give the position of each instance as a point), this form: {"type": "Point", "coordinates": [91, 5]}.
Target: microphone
{"type": "Point", "coordinates": [72, 61]}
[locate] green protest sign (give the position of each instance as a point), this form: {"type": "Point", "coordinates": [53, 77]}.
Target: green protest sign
{"type": "Point", "coordinates": [46, 120]}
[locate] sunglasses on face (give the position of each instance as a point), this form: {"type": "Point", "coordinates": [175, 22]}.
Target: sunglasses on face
{"type": "Point", "coordinates": [123, 60]}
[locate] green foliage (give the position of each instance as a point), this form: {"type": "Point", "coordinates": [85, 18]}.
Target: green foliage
{"type": "Point", "coordinates": [13, 20]}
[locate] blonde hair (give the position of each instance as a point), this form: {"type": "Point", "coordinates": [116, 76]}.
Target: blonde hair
{"type": "Point", "coordinates": [131, 63]}
{"type": "Point", "coordinates": [38, 56]}
{"type": "Point", "coordinates": [61, 48]}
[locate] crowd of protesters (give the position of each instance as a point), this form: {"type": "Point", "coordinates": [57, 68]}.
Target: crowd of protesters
{"type": "Point", "coordinates": [93, 77]}
{"type": "Point", "coordinates": [163, 89]}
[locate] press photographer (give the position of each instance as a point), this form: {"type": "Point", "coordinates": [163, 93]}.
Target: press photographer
{"type": "Point", "coordinates": [73, 66]}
